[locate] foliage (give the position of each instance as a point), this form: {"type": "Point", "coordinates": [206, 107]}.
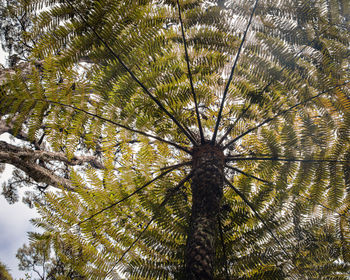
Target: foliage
{"type": "Point", "coordinates": [140, 85]}
{"type": "Point", "coordinates": [15, 30]}
{"type": "Point", "coordinates": [4, 274]}
{"type": "Point", "coordinates": [49, 258]}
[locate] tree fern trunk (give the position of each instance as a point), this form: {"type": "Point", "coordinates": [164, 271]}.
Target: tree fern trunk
{"type": "Point", "coordinates": [207, 182]}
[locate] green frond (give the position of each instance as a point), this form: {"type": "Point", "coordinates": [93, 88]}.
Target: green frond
{"type": "Point", "coordinates": [123, 82]}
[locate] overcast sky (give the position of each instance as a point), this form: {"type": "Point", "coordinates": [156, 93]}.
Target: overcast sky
{"type": "Point", "coordinates": [14, 221]}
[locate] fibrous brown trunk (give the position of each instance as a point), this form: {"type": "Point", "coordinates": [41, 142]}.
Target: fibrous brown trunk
{"type": "Point", "coordinates": [207, 183]}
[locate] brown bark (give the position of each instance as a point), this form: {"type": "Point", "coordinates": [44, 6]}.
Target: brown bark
{"type": "Point", "coordinates": [207, 184]}
{"type": "Point", "coordinates": [25, 68]}
{"type": "Point", "coordinates": [49, 156]}
{"type": "Point", "coordinates": [27, 160]}
{"type": "Point", "coordinates": [35, 171]}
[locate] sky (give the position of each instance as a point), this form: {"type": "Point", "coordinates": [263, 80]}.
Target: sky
{"type": "Point", "coordinates": [14, 221]}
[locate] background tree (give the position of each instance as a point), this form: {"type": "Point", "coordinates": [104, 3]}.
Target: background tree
{"type": "Point", "coordinates": [206, 140]}
{"type": "Point", "coordinates": [4, 274]}
{"type": "Point", "coordinates": [49, 258]}
{"type": "Point", "coordinates": [15, 36]}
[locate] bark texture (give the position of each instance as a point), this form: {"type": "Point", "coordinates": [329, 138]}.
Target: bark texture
{"type": "Point", "coordinates": [28, 160]}
{"type": "Point", "coordinates": [207, 184]}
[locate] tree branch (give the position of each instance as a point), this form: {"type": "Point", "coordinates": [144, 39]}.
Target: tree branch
{"type": "Point", "coordinates": [22, 159]}
{"type": "Point", "coordinates": [8, 128]}
{"type": "Point", "coordinates": [25, 69]}
{"type": "Point", "coordinates": [47, 156]}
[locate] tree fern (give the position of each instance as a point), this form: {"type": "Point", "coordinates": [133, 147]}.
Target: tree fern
{"type": "Point", "coordinates": [206, 139]}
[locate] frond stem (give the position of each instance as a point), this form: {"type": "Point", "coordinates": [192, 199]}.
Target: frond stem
{"type": "Point", "coordinates": [128, 196]}
{"type": "Point", "coordinates": [323, 206]}
{"type": "Point", "coordinates": [190, 74]}
{"type": "Point", "coordinates": [272, 184]}
{"type": "Point", "coordinates": [168, 196]}
{"type": "Point", "coordinates": [186, 131]}
{"type": "Point", "coordinates": [130, 247]}
{"type": "Point", "coordinates": [223, 248]}
{"type": "Point", "coordinates": [115, 123]}
{"type": "Point", "coordinates": [282, 113]}
{"type": "Point", "coordinates": [248, 175]}
{"type": "Point", "coordinates": [243, 197]}
{"type": "Point", "coordinates": [260, 92]}
{"type": "Point", "coordinates": [234, 124]}
{"type": "Point", "coordinates": [231, 75]}
{"type": "Point", "coordinates": [285, 159]}
{"type": "Point", "coordinates": [177, 165]}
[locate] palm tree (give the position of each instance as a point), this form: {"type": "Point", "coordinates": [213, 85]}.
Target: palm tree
{"type": "Point", "coordinates": [207, 139]}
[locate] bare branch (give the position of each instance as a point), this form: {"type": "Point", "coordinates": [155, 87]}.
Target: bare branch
{"type": "Point", "coordinates": [21, 158]}
{"type": "Point", "coordinates": [25, 69]}
{"type": "Point", "coordinates": [32, 155]}
{"type": "Point", "coordinates": [6, 127]}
